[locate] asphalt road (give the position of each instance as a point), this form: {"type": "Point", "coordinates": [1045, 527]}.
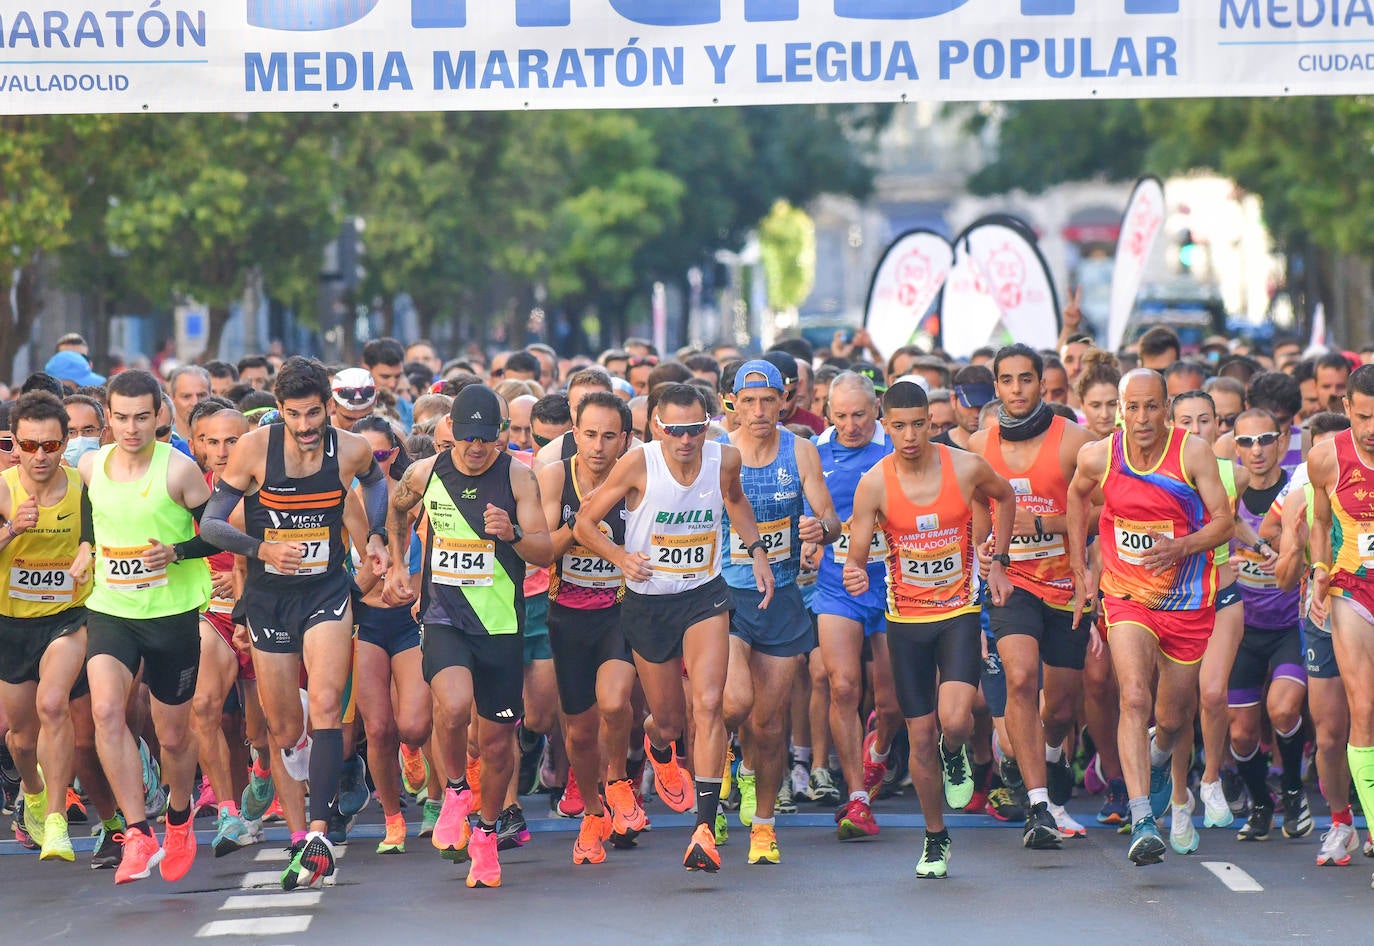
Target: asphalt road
{"type": "Point", "coordinates": [824, 892]}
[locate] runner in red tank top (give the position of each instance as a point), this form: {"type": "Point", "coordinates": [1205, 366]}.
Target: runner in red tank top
{"type": "Point", "coordinates": [926, 498]}
{"type": "Point", "coordinates": [1036, 452]}
{"type": "Point", "coordinates": [1165, 511]}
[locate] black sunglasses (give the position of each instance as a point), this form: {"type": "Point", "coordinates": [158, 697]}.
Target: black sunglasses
{"type": "Point", "coordinates": [6, 443]}
{"type": "Point", "coordinates": [356, 395]}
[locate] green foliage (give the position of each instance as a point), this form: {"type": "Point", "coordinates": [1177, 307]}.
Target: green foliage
{"type": "Point", "coordinates": [787, 242]}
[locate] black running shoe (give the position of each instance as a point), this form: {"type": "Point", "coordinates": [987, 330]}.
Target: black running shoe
{"type": "Point", "coordinates": [1297, 815]}
{"type": "Point", "coordinates": [108, 853]}
{"type": "Point", "coordinates": [1059, 781]}
{"type": "Point", "coordinates": [1042, 832]}
{"type": "Point", "coordinates": [1259, 824]}
{"type": "Point", "coordinates": [338, 825]}
{"type": "Point", "coordinates": [512, 830]}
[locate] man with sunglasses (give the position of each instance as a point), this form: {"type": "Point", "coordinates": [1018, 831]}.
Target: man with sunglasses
{"type": "Point", "coordinates": [293, 478]}
{"type": "Point", "coordinates": [485, 524]}
{"type": "Point", "coordinates": [676, 608]}
{"type": "Point", "coordinates": [1270, 656]}
{"type": "Point", "coordinates": [353, 394]}
{"type": "Point", "coordinates": [781, 475]}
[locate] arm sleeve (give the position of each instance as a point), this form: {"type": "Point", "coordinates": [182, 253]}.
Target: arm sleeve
{"type": "Point", "coordinates": [195, 548]}
{"type": "Point", "coordinates": [214, 524]}
{"type": "Point", "coordinates": [376, 497]}
{"type": "Point", "coordinates": [87, 517]}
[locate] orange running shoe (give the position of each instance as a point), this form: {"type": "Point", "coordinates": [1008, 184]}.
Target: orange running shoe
{"type": "Point", "coordinates": [591, 839]}
{"type": "Point", "coordinates": [670, 781]}
{"type": "Point", "coordinates": [76, 810]}
{"type": "Point", "coordinates": [452, 832]}
{"type": "Point", "coordinates": [571, 803]}
{"type": "Point", "coordinates": [627, 816]}
{"type": "Point", "coordinates": [414, 770]}
{"type": "Point", "coordinates": [701, 851]}
{"type": "Point", "coordinates": [179, 850]}
{"type": "Point", "coordinates": [474, 776]}
{"type": "Point", "coordinates": [141, 855]}
{"type": "Point", "coordinates": [395, 840]}
{"type": "Point", "coordinates": [274, 812]}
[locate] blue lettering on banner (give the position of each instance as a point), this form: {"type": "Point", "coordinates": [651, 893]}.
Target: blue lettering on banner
{"type": "Point", "coordinates": [152, 28]}
{"type": "Point", "coordinates": [325, 72]}
{"type": "Point", "coordinates": [629, 67]}
{"type": "Point", "coordinates": [1062, 58]}
{"type": "Point", "coordinates": [1304, 14]}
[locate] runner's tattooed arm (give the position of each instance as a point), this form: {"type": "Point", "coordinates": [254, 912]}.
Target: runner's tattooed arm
{"type": "Point", "coordinates": [404, 498]}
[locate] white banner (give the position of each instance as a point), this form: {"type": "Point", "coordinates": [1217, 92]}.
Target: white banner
{"type": "Point", "coordinates": [372, 55]}
{"type": "Point", "coordinates": [1140, 229]}
{"type": "Point", "coordinates": [905, 285]}
{"type": "Point", "coordinates": [999, 290]}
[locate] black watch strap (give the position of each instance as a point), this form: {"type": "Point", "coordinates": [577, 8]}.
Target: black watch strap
{"type": "Point", "coordinates": [758, 544]}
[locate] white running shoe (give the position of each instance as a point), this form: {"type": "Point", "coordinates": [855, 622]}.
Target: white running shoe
{"type": "Point", "coordinates": [1068, 827]}
{"type": "Point", "coordinates": [1216, 812]}
{"type": "Point", "coordinates": [1338, 845]}
{"type": "Point", "coordinates": [1182, 833]}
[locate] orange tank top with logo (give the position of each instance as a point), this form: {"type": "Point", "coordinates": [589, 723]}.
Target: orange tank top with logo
{"type": "Point", "coordinates": [1040, 562]}
{"type": "Point", "coordinates": [931, 566]}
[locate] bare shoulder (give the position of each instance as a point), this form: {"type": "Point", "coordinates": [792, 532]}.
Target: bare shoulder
{"type": "Point", "coordinates": [1075, 437]}
{"type": "Point", "coordinates": [1092, 456]}
{"type": "Point", "coordinates": [978, 441]}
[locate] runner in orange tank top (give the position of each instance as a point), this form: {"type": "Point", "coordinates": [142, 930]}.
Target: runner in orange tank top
{"type": "Point", "coordinates": [1164, 512]}
{"type": "Point", "coordinates": [1036, 452]}
{"type": "Point", "coordinates": [924, 498]}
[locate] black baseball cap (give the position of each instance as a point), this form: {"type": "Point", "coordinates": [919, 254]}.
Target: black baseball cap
{"type": "Point", "coordinates": [785, 363]}
{"type": "Point", "coordinates": [476, 414]}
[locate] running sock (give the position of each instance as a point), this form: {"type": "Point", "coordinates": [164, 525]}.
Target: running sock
{"type": "Point", "coordinates": [178, 816]}
{"type": "Point", "coordinates": [297, 837]}
{"type": "Point", "coordinates": [941, 835]}
{"type": "Point", "coordinates": [766, 821]}
{"type": "Point", "coordinates": [326, 766]}
{"type": "Point", "coordinates": [488, 826]}
{"type": "Point", "coordinates": [141, 826]}
{"type": "Point", "coordinates": [259, 768]}
{"type": "Point", "coordinates": [744, 771]}
{"type": "Point", "coordinates": [1362, 773]}
{"type": "Point", "coordinates": [459, 784]}
{"type": "Point", "coordinates": [1290, 753]}
{"type": "Point", "coordinates": [874, 755]}
{"type": "Point", "coordinates": [708, 793]}
{"type": "Point", "coordinates": [661, 756]}
{"type": "Point", "coordinates": [981, 772]}
{"type": "Point", "coordinates": [1254, 769]}
{"type": "Point", "coordinates": [1343, 817]}
{"type": "Point", "coordinates": [1038, 795]}
{"type": "Point", "coordinates": [1053, 753]}
{"type": "Point", "coordinates": [859, 796]}
{"type": "Point", "coordinates": [1158, 756]}
{"type": "Point", "coordinates": [802, 754]}
{"type": "Point", "coordinates": [1140, 810]}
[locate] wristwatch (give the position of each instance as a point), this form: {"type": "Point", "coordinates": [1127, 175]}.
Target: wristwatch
{"type": "Point", "coordinates": [1004, 559]}
{"type": "Point", "coordinates": [825, 530]}
{"type": "Point", "coordinates": [517, 533]}
{"type": "Point", "coordinates": [758, 544]}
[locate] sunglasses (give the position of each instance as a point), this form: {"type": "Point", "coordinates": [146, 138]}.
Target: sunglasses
{"type": "Point", "coordinates": [1263, 440]}
{"type": "Point", "coordinates": [381, 456]}
{"type": "Point", "coordinates": [640, 361]}
{"type": "Point", "coordinates": [32, 446]}
{"type": "Point", "coordinates": [356, 395]}
{"type": "Point", "coordinates": [680, 430]}
{"type": "Point", "coordinates": [163, 431]}
{"type": "Point", "coordinates": [6, 444]}
{"type": "Point", "coordinates": [541, 441]}
{"type": "Point", "coordinates": [1227, 420]}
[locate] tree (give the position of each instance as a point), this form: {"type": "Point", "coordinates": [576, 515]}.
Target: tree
{"type": "Point", "coordinates": [787, 242]}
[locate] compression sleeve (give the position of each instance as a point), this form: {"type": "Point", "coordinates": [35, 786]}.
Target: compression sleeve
{"type": "Point", "coordinates": [215, 527]}
{"type": "Point", "coordinates": [375, 499]}
{"type": "Point", "coordinates": [87, 518]}
{"type": "Point", "coordinates": [196, 547]}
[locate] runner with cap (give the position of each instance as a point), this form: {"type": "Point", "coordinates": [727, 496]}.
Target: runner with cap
{"type": "Point", "coordinates": [675, 489]}
{"type": "Point", "coordinates": [484, 523]}
{"type": "Point", "coordinates": [1164, 512]}
{"type": "Point", "coordinates": [973, 387]}
{"type": "Point", "coordinates": [293, 478]}
{"type": "Point", "coordinates": [353, 394]}
{"type": "Point", "coordinates": [923, 499]}
{"type": "Point", "coordinates": [779, 473]}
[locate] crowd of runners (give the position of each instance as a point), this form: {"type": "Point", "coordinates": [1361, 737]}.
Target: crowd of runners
{"type": "Point", "coordinates": [704, 582]}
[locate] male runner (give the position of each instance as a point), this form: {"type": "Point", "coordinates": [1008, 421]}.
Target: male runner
{"type": "Point", "coordinates": [292, 478]}
{"type": "Point", "coordinates": [591, 659]}
{"type": "Point", "coordinates": [145, 609]}
{"type": "Point", "coordinates": [484, 524]}
{"type": "Point", "coordinates": [923, 499]}
{"type": "Point", "coordinates": [675, 611]}
{"type": "Point", "coordinates": [778, 471]}
{"type": "Point", "coordinates": [1036, 451]}
{"type": "Point", "coordinates": [1164, 512]}
{"type": "Point", "coordinates": [1342, 544]}
{"type": "Point", "coordinates": [847, 451]}
{"type": "Point", "coordinates": [44, 583]}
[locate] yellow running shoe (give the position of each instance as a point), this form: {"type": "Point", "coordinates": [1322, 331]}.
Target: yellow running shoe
{"type": "Point", "coordinates": [35, 810]}
{"type": "Point", "coordinates": [57, 844]}
{"type": "Point", "coordinates": [763, 844]}
{"type": "Point", "coordinates": [395, 840]}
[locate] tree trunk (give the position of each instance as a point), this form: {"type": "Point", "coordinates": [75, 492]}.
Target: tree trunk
{"type": "Point", "coordinates": [219, 317]}
{"type": "Point", "coordinates": [16, 322]}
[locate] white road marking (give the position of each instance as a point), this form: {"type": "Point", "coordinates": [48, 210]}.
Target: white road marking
{"type": "Point", "coordinates": [280, 901]}
{"type": "Point", "coordinates": [260, 878]}
{"type": "Point", "coordinates": [1233, 877]}
{"type": "Point", "coordinates": [256, 926]}
{"type": "Point", "coordinates": [279, 854]}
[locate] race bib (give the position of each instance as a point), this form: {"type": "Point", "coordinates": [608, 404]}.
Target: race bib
{"type": "Point", "coordinates": [1033, 548]}
{"type": "Point", "coordinates": [1133, 538]}
{"type": "Point", "coordinates": [776, 537]}
{"type": "Point", "coordinates": [221, 606]}
{"type": "Point", "coordinates": [586, 570]}
{"type": "Point", "coordinates": [877, 547]}
{"type": "Point", "coordinates": [463, 562]}
{"type": "Point", "coordinates": [42, 581]}
{"type": "Point", "coordinates": [933, 568]}
{"type": "Point", "coordinates": [125, 571]}
{"type": "Point", "coordinates": [684, 557]}
{"type": "Point", "coordinates": [1366, 549]}
{"type": "Point", "coordinates": [1251, 575]}
{"type": "Point", "coordinates": [315, 560]}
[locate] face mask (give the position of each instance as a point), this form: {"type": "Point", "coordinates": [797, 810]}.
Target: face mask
{"type": "Point", "coordinates": [78, 447]}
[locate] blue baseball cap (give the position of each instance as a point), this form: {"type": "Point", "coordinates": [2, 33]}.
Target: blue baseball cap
{"type": "Point", "coordinates": [72, 366]}
{"type": "Point", "coordinates": [767, 376]}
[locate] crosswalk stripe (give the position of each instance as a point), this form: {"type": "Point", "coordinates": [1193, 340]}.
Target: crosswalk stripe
{"type": "Point", "coordinates": [278, 901]}
{"type": "Point", "coordinates": [256, 926]}
{"type": "Point", "coordinates": [1233, 877]}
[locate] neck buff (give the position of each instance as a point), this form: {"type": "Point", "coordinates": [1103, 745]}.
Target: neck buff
{"type": "Point", "coordinates": [1025, 428]}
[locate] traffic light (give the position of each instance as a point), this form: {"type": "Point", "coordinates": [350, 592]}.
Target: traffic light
{"type": "Point", "coordinates": [1188, 251]}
